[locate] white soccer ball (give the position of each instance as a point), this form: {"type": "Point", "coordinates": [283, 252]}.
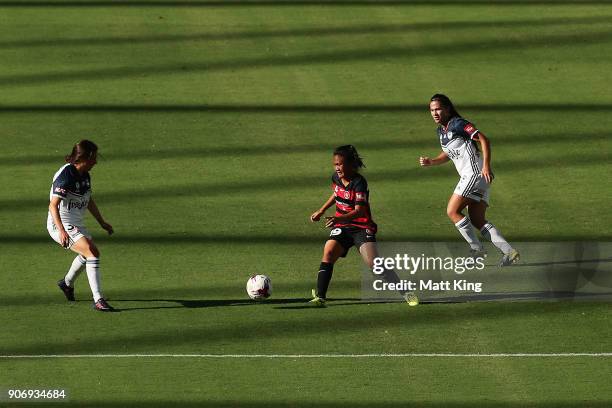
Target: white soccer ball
{"type": "Point", "coordinates": [259, 287]}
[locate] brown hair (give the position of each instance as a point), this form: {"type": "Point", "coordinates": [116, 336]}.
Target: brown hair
{"type": "Point", "coordinates": [83, 150]}
{"type": "Point", "coordinates": [445, 102]}
{"type": "Point", "coordinates": [350, 155]}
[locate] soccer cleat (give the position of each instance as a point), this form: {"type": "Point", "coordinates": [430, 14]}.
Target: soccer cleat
{"type": "Point", "coordinates": [316, 301]}
{"type": "Point", "coordinates": [102, 306]}
{"type": "Point", "coordinates": [510, 258]}
{"type": "Point", "coordinates": [68, 291]}
{"type": "Point", "coordinates": [411, 299]}
{"type": "Point", "coordinates": [478, 253]}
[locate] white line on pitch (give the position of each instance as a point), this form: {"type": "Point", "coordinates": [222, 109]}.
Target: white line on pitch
{"type": "Point", "coordinates": [295, 356]}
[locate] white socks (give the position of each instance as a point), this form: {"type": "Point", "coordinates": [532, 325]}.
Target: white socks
{"type": "Point", "coordinates": [465, 229]}
{"type": "Point", "coordinates": [93, 275]}
{"type": "Point", "coordinates": [75, 270]}
{"type": "Point", "coordinates": [491, 233]}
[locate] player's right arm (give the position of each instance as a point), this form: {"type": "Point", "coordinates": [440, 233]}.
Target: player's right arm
{"type": "Point", "coordinates": [54, 210]}
{"type": "Point", "coordinates": [425, 161]}
{"type": "Point", "coordinates": [316, 216]}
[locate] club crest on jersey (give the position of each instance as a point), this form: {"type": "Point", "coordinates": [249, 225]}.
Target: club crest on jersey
{"type": "Point", "coordinates": [347, 195]}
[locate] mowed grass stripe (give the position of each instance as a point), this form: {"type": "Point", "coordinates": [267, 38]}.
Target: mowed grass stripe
{"type": "Point", "coordinates": [294, 356]}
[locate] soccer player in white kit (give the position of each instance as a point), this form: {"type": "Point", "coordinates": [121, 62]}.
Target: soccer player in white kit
{"type": "Point", "coordinates": [459, 139]}
{"type": "Point", "coordinates": [70, 196]}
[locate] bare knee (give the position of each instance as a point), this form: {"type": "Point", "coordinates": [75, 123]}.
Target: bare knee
{"type": "Point", "coordinates": [331, 252]}
{"type": "Point", "coordinates": [454, 215]}
{"type": "Point", "coordinates": [329, 257]}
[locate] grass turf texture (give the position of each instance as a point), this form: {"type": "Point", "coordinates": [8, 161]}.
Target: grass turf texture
{"type": "Point", "coordinates": [216, 126]}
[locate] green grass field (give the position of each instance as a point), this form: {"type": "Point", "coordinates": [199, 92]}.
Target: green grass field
{"type": "Point", "coordinates": [216, 124]}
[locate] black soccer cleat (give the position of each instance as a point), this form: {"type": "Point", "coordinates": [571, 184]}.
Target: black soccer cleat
{"type": "Point", "coordinates": [68, 291]}
{"type": "Point", "coordinates": [102, 306]}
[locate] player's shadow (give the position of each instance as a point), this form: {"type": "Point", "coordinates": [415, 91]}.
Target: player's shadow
{"type": "Point", "coordinates": [208, 303]}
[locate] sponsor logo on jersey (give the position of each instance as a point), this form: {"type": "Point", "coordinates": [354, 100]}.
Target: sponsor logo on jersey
{"type": "Point", "coordinates": [60, 190]}
{"type": "Point", "coordinates": [360, 196]}
{"type": "Point", "coordinates": [77, 204]}
{"type": "Point", "coordinates": [453, 154]}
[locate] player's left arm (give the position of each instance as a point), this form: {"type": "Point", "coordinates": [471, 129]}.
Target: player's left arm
{"type": "Point", "coordinates": [485, 146]}
{"type": "Point", "coordinates": [358, 212]}
{"type": "Point", "coordinates": [93, 209]}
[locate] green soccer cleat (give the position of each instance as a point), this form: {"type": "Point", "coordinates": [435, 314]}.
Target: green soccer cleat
{"type": "Point", "coordinates": [510, 258]}
{"type": "Point", "coordinates": [316, 300]}
{"type": "Point", "coordinates": [411, 299]}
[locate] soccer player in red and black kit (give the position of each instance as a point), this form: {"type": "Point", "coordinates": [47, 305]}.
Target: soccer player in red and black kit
{"type": "Point", "coordinates": [352, 225]}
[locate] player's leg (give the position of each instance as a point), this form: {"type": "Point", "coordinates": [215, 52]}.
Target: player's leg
{"type": "Point", "coordinates": [66, 284]}
{"type": "Point", "coordinates": [454, 210]}
{"type": "Point", "coordinates": [369, 252]}
{"type": "Point", "coordinates": [477, 213]}
{"type": "Point", "coordinates": [85, 247]}
{"type": "Point", "coordinates": [331, 252]}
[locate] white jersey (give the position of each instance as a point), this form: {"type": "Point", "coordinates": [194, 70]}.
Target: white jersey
{"type": "Point", "coordinates": [458, 142]}
{"type": "Point", "coordinates": [75, 191]}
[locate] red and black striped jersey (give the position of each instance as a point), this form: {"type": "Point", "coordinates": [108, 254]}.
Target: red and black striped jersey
{"type": "Point", "coordinates": [348, 197]}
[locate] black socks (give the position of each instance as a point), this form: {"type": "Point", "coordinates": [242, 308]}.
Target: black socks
{"type": "Point", "coordinates": [323, 279]}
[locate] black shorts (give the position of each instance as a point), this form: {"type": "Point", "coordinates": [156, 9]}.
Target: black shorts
{"type": "Point", "coordinates": [351, 236]}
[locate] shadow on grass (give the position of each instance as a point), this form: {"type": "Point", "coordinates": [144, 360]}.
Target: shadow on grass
{"type": "Point", "coordinates": [155, 333]}
{"type": "Point", "coordinates": [481, 46]}
{"type": "Point", "coordinates": [208, 303]}
{"type": "Point", "coordinates": [296, 108]}
{"type": "Point", "coordinates": [228, 290]}
{"type": "Point", "coordinates": [257, 149]}
{"type": "Point", "coordinates": [213, 188]}
{"type": "Point", "coordinates": [371, 29]}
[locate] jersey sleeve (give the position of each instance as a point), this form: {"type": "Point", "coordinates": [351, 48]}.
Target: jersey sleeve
{"type": "Point", "coordinates": [467, 129]}
{"type": "Point", "coordinates": [62, 184]}
{"type": "Point", "coordinates": [361, 192]}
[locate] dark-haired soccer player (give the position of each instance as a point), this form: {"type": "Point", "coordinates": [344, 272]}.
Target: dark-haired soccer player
{"type": "Point", "coordinates": [352, 225]}
{"type": "Point", "coordinates": [70, 196]}
{"type": "Point", "coordinates": [459, 139]}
